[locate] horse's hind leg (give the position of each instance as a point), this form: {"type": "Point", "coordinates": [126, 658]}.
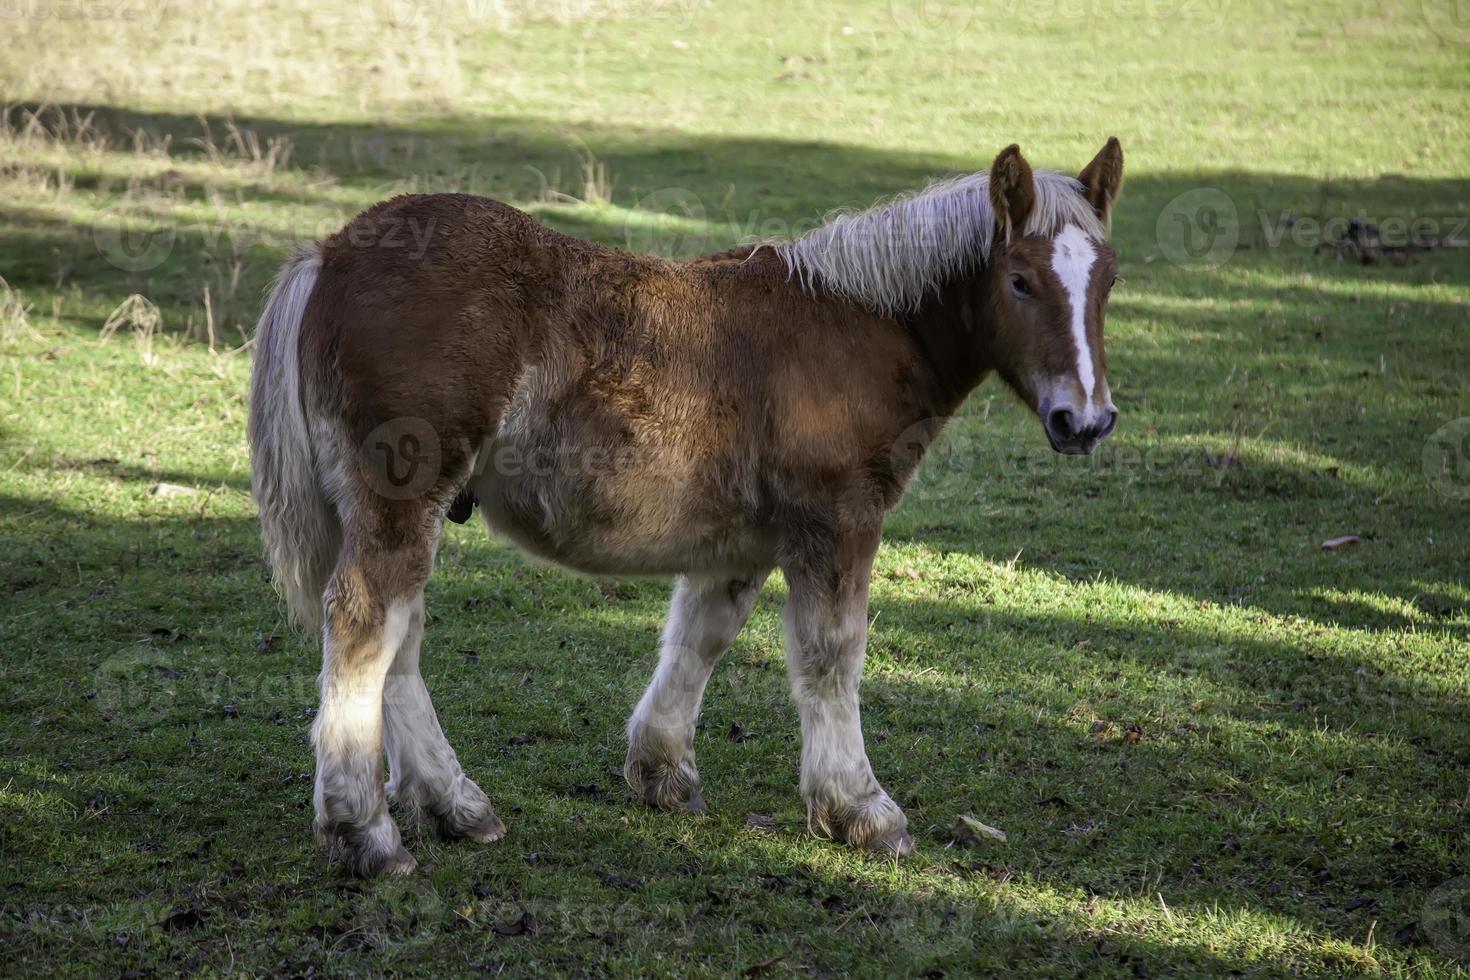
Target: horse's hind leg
{"type": "Point", "coordinates": [704, 618]}
{"type": "Point", "coordinates": [424, 772]}
{"type": "Point", "coordinates": [370, 607]}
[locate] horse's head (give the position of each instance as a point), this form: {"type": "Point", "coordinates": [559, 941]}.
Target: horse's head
{"type": "Point", "coordinates": [1050, 273]}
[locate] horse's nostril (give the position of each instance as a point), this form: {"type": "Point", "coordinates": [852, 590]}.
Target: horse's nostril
{"type": "Point", "coordinates": [1110, 420]}
{"type": "Point", "coordinates": [1061, 424]}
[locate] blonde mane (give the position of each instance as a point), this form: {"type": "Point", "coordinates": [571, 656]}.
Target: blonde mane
{"type": "Point", "coordinates": [890, 256]}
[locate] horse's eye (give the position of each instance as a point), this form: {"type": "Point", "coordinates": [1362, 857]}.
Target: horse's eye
{"type": "Point", "coordinates": [1020, 286]}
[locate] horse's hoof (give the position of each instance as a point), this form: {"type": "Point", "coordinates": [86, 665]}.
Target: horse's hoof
{"type": "Point", "coordinates": [897, 843]}
{"type": "Point", "coordinates": [466, 814]}
{"type": "Point", "coordinates": [370, 865]}
{"type": "Point", "coordinates": [401, 863]}
{"type": "Point", "coordinates": [488, 831]}
{"type": "Point", "coordinates": [365, 851]}
{"type": "Point", "coordinates": [875, 824]}
{"type": "Point", "coordinates": [673, 788]}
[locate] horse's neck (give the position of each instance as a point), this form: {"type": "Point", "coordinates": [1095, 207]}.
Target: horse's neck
{"type": "Point", "coordinates": [952, 328]}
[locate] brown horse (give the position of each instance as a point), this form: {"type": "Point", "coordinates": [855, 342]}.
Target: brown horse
{"type": "Point", "coordinates": [625, 415]}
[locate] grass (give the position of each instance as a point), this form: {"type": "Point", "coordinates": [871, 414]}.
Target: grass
{"type": "Point", "coordinates": [1215, 747]}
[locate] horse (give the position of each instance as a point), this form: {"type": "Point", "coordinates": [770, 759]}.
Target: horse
{"type": "Point", "coordinates": [708, 421]}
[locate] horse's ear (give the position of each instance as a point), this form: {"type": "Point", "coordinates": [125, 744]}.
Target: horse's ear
{"type": "Point", "coordinates": [1012, 191]}
{"type": "Point", "coordinates": [1102, 179]}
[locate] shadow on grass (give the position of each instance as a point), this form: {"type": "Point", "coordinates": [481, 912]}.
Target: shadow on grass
{"type": "Point", "coordinates": [1303, 784]}
{"type": "Point", "coordinates": [757, 186]}
{"type": "Point", "coordinates": [1166, 513]}
{"type": "Point", "coordinates": [147, 477]}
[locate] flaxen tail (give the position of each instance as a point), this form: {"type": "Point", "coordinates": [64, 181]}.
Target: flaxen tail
{"type": "Point", "coordinates": [297, 522]}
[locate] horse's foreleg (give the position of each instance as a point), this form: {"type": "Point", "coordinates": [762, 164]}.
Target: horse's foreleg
{"type": "Point", "coordinates": [704, 618]}
{"type": "Point", "coordinates": [826, 634]}
{"type": "Point", "coordinates": [424, 772]}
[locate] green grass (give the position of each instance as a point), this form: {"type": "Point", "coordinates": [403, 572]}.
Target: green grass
{"type": "Point", "coordinates": [1299, 789]}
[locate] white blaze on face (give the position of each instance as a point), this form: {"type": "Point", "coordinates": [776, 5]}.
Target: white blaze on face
{"type": "Point", "coordinates": [1071, 259]}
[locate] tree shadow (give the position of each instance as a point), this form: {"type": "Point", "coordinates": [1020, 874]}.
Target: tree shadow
{"type": "Point", "coordinates": [149, 476]}
{"type": "Point", "coordinates": [757, 186]}
{"type": "Point", "coordinates": [1228, 803]}
{"type": "Point", "coordinates": [1255, 521]}
{"type": "Point", "coordinates": [1253, 753]}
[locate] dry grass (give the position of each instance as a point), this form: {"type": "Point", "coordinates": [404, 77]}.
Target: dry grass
{"type": "Point", "coordinates": [245, 52]}
{"type": "Point", "coordinates": [14, 315]}
{"type": "Point", "coordinates": [239, 145]}
{"type": "Point", "coordinates": [140, 181]}
{"type": "Point", "coordinates": [141, 318]}
{"type": "Point", "coordinates": [593, 181]}
{"type": "Point", "coordinates": [280, 56]}
{"type": "Point", "coordinates": [220, 300]}
{"type": "Point", "coordinates": [50, 145]}
{"type": "Point", "coordinates": [42, 147]}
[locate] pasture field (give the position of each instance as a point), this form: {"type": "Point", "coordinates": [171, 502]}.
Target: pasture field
{"type": "Point", "coordinates": [1215, 747]}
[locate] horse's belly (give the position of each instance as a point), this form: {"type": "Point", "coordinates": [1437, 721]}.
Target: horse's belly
{"type": "Point", "coordinates": [626, 519]}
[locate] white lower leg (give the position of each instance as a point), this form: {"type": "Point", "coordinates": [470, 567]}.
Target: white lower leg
{"type": "Point", "coordinates": [424, 772]}
{"type": "Point", "coordinates": [348, 737]}
{"type": "Point", "coordinates": [825, 662]}
{"type": "Point", "coordinates": [704, 618]}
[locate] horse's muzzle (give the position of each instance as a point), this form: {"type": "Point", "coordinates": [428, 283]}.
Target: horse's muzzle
{"type": "Point", "coordinates": [1068, 436]}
